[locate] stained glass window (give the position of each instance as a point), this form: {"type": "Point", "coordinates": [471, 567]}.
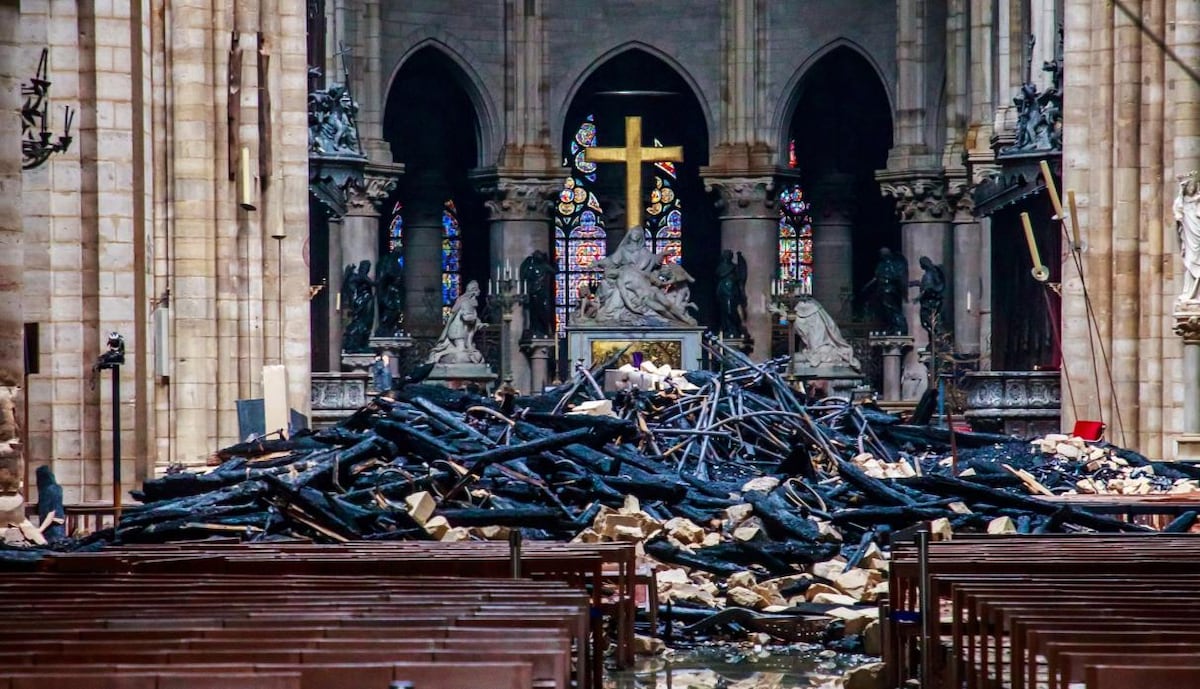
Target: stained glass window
{"type": "Point", "coordinates": [795, 237]}
{"type": "Point", "coordinates": [451, 252]}
{"type": "Point", "coordinates": [396, 234]}
{"type": "Point", "coordinates": [579, 236]}
{"type": "Point", "coordinates": [664, 217]}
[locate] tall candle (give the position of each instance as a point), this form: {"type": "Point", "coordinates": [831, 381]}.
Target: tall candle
{"type": "Point", "coordinates": [1050, 188]}
{"type": "Point", "coordinates": [1033, 248]}
{"type": "Point", "coordinates": [968, 301]}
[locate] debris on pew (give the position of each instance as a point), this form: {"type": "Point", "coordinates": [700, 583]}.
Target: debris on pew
{"type": "Point", "coordinates": [742, 494]}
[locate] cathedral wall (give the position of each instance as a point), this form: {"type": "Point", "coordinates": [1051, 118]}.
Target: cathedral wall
{"type": "Point", "coordinates": [141, 215]}
{"type": "Point", "coordinates": [1131, 127]}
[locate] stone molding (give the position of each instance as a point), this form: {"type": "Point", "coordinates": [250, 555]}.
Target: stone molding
{"type": "Point", "coordinates": [743, 197]}
{"type": "Point", "coordinates": [365, 197]}
{"type": "Point", "coordinates": [918, 199]}
{"type": "Point", "coordinates": [519, 199]}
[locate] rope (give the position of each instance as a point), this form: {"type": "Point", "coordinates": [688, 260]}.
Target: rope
{"type": "Point", "coordinates": [1095, 340]}
{"type": "Point", "coordinates": [1057, 335]}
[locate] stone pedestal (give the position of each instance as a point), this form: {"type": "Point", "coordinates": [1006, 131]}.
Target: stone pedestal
{"type": "Point", "coordinates": [539, 350]}
{"type": "Point", "coordinates": [892, 348]}
{"type": "Point", "coordinates": [393, 347]}
{"type": "Point", "coordinates": [679, 347]}
{"type": "Point", "coordinates": [459, 376]}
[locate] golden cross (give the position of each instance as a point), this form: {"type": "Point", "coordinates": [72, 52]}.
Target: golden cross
{"type": "Point", "coordinates": [633, 155]}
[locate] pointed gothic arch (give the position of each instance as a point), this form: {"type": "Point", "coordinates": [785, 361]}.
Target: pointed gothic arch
{"type": "Point", "coordinates": [562, 128]}
{"type": "Point", "coordinates": [794, 89]}
{"type": "Point", "coordinates": [636, 80]}
{"type": "Point", "coordinates": [460, 56]}
{"type": "Point", "coordinates": [432, 124]}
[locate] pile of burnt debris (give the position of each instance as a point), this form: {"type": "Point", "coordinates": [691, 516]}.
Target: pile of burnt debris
{"type": "Point", "coordinates": [741, 493]}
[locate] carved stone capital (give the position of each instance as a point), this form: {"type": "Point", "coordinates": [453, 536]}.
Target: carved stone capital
{"type": "Point", "coordinates": [918, 199]}
{"type": "Point", "coordinates": [743, 196]}
{"type": "Point", "coordinates": [366, 196]}
{"type": "Point", "coordinates": [519, 199]}
{"type": "Point", "coordinates": [961, 199]}
{"type": "Point", "coordinates": [1187, 321]}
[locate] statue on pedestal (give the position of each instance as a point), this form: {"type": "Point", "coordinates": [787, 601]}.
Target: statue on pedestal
{"type": "Point", "coordinates": [932, 287]}
{"type": "Point", "coordinates": [456, 345]}
{"type": "Point", "coordinates": [889, 291]}
{"type": "Point", "coordinates": [824, 346]}
{"type": "Point", "coordinates": [636, 289]}
{"type": "Point", "coordinates": [358, 307]}
{"type": "Point", "coordinates": [731, 294]}
{"type": "Point", "coordinates": [1187, 227]}
{"type": "Point", "coordinates": [537, 274]}
{"type": "Point", "coordinates": [391, 296]}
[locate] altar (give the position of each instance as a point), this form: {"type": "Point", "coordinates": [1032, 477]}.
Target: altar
{"type": "Point", "coordinates": [678, 346]}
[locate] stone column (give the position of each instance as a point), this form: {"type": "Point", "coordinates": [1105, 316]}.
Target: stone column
{"type": "Point", "coordinates": [336, 268]}
{"type": "Point", "coordinates": [749, 224]}
{"type": "Point", "coordinates": [924, 231]}
{"type": "Point", "coordinates": [519, 213]}
{"type": "Point", "coordinates": [892, 348]}
{"type": "Point", "coordinates": [833, 242]}
{"type": "Point", "coordinates": [538, 349]}
{"type": "Point", "coordinates": [423, 255]}
{"type": "Point", "coordinates": [359, 234]}
{"type": "Point", "coordinates": [1187, 326]}
{"type": "Point", "coordinates": [12, 254]}
{"type": "Point", "coordinates": [968, 275]}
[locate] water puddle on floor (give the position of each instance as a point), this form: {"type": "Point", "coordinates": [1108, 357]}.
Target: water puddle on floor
{"type": "Point", "coordinates": [729, 666]}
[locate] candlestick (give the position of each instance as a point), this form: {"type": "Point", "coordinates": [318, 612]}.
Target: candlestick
{"type": "Point", "coordinates": [1040, 273]}
{"type": "Point", "coordinates": [1076, 245]}
{"type": "Point", "coordinates": [1054, 200]}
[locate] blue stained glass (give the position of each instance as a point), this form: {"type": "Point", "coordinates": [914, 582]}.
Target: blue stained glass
{"type": "Point", "coordinates": [396, 234]}
{"type": "Point", "coordinates": [451, 255]}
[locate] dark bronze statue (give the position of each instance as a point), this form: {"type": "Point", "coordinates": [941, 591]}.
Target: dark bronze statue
{"type": "Point", "coordinates": [888, 291]}
{"type": "Point", "coordinates": [390, 283]}
{"type": "Point", "coordinates": [931, 291]}
{"type": "Point", "coordinates": [332, 126]}
{"type": "Point", "coordinates": [537, 275]}
{"type": "Point", "coordinates": [358, 307]}
{"type": "Point", "coordinates": [731, 295]}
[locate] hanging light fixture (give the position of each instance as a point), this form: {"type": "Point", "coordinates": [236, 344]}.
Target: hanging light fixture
{"type": "Point", "coordinates": [37, 143]}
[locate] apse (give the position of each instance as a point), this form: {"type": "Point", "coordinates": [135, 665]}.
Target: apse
{"type": "Point", "coordinates": [637, 83]}
{"type": "Point", "coordinates": [841, 128]}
